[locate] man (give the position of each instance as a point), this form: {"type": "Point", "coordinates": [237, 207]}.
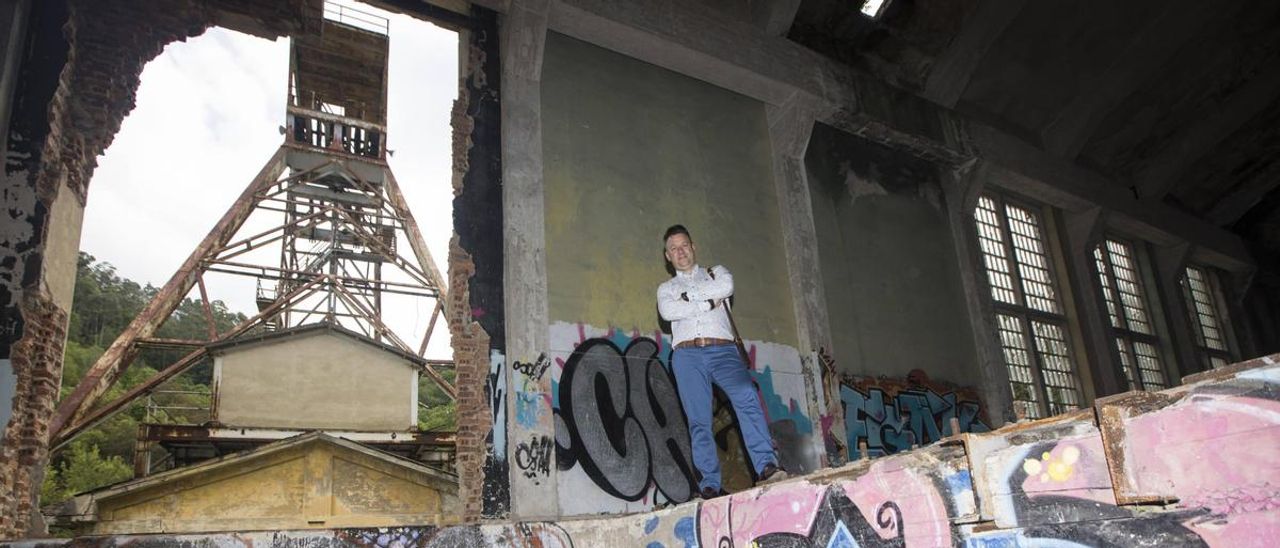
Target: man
{"type": "Point", "coordinates": [695, 301]}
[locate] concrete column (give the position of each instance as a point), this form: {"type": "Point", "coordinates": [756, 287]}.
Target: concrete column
{"type": "Point", "coordinates": [962, 188]}
{"type": "Point", "coordinates": [1083, 233]}
{"type": "Point", "coordinates": [531, 431]}
{"type": "Point", "coordinates": [1234, 285]}
{"type": "Point", "coordinates": [1170, 261]}
{"type": "Point", "coordinates": [790, 126]}
{"type": "Point", "coordinates": [13, 34]}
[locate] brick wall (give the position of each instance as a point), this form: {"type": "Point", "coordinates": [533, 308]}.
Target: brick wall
{"type": "Point", "coordinates": [80, 77]}
{"type": "Point", "coordinates": [470, 354]}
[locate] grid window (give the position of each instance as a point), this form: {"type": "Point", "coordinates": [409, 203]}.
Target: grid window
{"type": "Point", "coordinates": [1030, 320]}
{"type": "Point", "coordinates": [1123, 291]}
{"type": "Point", "coordinates": [1202, 307]}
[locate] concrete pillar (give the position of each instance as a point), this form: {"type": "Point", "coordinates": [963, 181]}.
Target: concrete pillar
{"type": "Point", "coordinates": [1083, 233]}
{"type": "Point", "coordinates": [962, 188]}
{"type": "Point", "coordinates": [39, 240]}
{"type": "Point", "coordinates": [790, 126]}
{"type": "Point", "coordinates": [531, 429]}
{"type": "Point", "coordinates": [1170, 261]}
{"type": "Point", "coordinates": [1235, 284]}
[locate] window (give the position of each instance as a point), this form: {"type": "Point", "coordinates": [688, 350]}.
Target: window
{"type": "Point", "coordinates": [1133, 334]}
{"type": "Point", "coordinates": [1198, 291]}
{"type": "Point", "coordinates": [1029, 314]}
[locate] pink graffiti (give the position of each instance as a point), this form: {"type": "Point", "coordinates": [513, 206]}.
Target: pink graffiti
{"type": "Point", "coordinates": [1076, 467]}
{"type": "Point", "coordinates": [793, 507]}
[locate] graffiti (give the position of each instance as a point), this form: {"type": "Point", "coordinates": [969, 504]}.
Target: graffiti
{"type": "Point", "coordinates": [622, 443]}
{"type": "Point", "coordinates": [840, 523]}
{"type": "Point", "coordinates": [496, 491]}
{"type": "Point", "coordinates": [891, 416]}
{"type": "Point", "coordinates": [894, 502]}
{"type": "Point", "coordinates": [528, 405]}
{"type": "Point", "coordinates": [533, 457]}
{"type": "Point", "coordinates": [381, 537]}
{"type": "Point", "coordinates": [1063, 515]}
{"type": "Point", "coordinates": [534, 370]}
{"type": "Point", "coordinates": [619, 418]}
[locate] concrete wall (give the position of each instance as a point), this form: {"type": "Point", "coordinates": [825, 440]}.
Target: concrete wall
{"type": "Point", "coordinates": [893, 288]}
{"type": "Point", "coordinates": [629, 149]}
{"type": "Point", "coordinates": [318, 380]}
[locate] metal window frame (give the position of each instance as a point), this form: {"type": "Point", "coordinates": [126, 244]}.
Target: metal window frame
{"type": "Point", "coordinates": [1025, 314]}
{"type": "Point", "coordinates": [1203, 350]}
{"type": "Point", "coordinates": [1124, 333]}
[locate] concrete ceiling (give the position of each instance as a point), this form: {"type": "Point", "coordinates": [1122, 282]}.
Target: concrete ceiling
{"type": "Point", "coordinates": [1176, 100]}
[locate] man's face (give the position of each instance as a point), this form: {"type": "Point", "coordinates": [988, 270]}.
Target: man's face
{"type": "Point", "coordinates": [680, 252]}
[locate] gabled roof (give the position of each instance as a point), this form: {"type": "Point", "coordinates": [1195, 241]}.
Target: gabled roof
{"type": "Point", "coordinates": [84, 505]}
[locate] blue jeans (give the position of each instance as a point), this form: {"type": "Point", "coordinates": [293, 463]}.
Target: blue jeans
{"type": "Point", "coordinates": [696, 369]}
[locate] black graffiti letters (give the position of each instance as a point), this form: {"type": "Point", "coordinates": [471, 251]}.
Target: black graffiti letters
{"type": "Point", "coordinates": [533, 457]}
{"type": "Point", "coordinates": [619, 418]}
{"type": "Point", "coordinates": [534, 370]}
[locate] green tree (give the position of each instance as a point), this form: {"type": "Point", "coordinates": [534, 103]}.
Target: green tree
{"type": "Point", "coordinates": [82, 470]}
{"type": "Point", "coordinates": [441, 412]}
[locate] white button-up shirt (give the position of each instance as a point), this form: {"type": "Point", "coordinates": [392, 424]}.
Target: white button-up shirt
{"type": "Point", "coordinates": [695, 317]}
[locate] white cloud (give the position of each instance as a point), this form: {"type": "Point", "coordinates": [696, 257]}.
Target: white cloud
{"type": "Point", "coordinates": [207, 120]}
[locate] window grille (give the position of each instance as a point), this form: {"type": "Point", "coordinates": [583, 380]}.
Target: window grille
{"type": "Point", "coordinates": [1198, 292]}
{"type": "Point", "coordinates": [1135, 339]}
{"type": "Point", "coordinates": [1029, 313]}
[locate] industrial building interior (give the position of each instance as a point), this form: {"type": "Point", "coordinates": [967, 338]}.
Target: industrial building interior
{"type": "Point", "coordinates": [1007, 273]}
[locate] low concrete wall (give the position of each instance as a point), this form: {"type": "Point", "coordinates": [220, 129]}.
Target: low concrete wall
{"type": "Point", "coordinates": [1195, 465]}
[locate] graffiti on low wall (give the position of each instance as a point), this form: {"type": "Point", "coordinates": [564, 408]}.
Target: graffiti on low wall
{"type": "Point", "coordinates": [622, 442]}
{"type": "Point", "coordinates": [1210, 448]}
{"type": "Point", "coordinates": [891, 415]}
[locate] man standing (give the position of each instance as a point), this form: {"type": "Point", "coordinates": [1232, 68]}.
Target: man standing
{"type": "Point", "coordinates": [695, 302]}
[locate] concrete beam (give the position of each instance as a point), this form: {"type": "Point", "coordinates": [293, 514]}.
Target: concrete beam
{"type": "Point", "coordinates": [523, 32]}
{"type": "Point", "coordinates": [775, 16]}
{"type": "Point", "coordinates": [1147, 52]}
{"type": "Point", "coordinates": [952, 70]}
{"type": "Point", "coordinates": [1198, 139]}
{"type": "Point", "coordinates": [1021, 167]}
{"type": "Point", "coordinates": [1239, 200]}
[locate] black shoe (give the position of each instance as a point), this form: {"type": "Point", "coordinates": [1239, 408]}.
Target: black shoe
{"type": "Point", "coordinates": [771, 473]}
{"type": "Point", "coordinates": [709, 493]}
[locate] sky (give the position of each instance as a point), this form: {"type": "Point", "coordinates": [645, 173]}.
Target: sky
{"type": "Point", "coordinates": [207, 119]}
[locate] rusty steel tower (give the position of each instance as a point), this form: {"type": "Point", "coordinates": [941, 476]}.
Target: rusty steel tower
{"type": "Point", "coordinates": [338, 242]}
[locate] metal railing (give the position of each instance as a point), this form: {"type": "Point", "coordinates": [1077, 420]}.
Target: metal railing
{"type": "Point", "coordinates": [362, 20]}
{"type": "Point", "coordinates": [166, 406]}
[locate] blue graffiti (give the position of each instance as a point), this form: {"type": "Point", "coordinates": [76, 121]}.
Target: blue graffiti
{"type": "Point", "coordinates": [914, 417]}
{"type": "Point", "coordinates": [687, 531]}
{"type": "Point", "coordinates": [774, 406]}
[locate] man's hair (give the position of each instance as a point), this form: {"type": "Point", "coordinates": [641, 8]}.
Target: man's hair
{"type": "Point", "coordinates": [673, 230]}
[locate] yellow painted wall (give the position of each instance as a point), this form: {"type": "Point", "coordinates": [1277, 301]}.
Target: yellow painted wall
{"type": "Point", "coordinates": [629, 149]}
{"type": "Point", "coordinates": [316, 485]}
{"type": "Point", "coordinates": [316, 380]}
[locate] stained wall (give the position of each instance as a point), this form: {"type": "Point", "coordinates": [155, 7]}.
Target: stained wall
{"type": "Point", "coordinates": [892, 282]}
{"type": "Point", "coordinates": [629, 149]}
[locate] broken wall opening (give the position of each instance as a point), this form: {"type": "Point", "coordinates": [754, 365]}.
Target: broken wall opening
{"type": "Point", "coordinates": [83, 65]}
